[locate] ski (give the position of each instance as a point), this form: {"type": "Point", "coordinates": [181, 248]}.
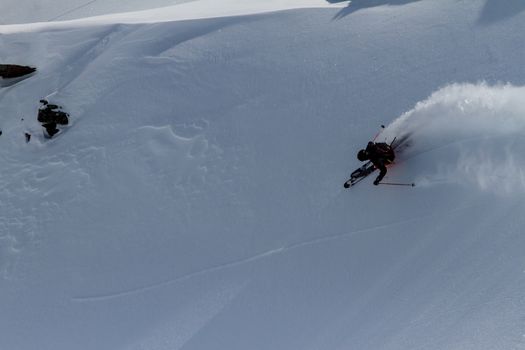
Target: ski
{"type": "Point", "coordinates": [359, 174]}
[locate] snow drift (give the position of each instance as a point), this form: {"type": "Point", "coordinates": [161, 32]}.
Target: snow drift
{"type": "Point", "coordinates": [467, 133]}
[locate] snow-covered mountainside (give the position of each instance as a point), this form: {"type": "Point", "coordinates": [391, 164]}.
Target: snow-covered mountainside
{"type": "Point", "coordinates": [195, 201]}
{"type": "Point", "coordinates": [118, 11]}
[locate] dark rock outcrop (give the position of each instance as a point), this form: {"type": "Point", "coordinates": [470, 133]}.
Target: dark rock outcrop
{"type": "Point", "coordinates": [50, 113]}
{"type": "Point", "coordinates": [50, 116]}
{"type": "Point", "coordinates": [9, 71]}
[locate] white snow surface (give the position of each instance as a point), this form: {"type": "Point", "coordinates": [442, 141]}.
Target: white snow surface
{"type": "Point", "coordinates": [133, 11]}
{"type": "Point", "coordinates": [195, 201]}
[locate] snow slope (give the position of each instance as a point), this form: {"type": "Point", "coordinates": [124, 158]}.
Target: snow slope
{"type": "Point", "coordinates": [113, 11]}
{"type": "Point", "coordinates": [196, 200]}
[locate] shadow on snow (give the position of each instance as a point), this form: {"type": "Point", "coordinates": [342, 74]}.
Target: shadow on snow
{"type": "Point", "coordinates": [356, 5]}
{"type": "Point", "coordinates": [498, 10]}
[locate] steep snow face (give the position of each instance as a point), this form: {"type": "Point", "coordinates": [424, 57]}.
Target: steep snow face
{"type": "Point", "coordinates": [196, 199]}
{"type": "Point", "coordinates": [29, 11]}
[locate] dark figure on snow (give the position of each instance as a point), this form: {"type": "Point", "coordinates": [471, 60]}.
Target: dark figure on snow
{"type": "Point", "coordinates": [9, 71]}
{"type": "Point", "coordinates": [50, 116]}
{"type": "Point", "coordinates": [380, 154]}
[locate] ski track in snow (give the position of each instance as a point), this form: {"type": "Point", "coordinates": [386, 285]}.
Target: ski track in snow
{"type": "Point", "coordinates": [178, 279]}
{"type": "Point", "coordinates": [257, 257]}
{"type": "Point", "coordinates": [72, 10]}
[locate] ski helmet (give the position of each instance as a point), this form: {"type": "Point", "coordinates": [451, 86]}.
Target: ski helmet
{"type": "Point", "coordinates": [362, 155]}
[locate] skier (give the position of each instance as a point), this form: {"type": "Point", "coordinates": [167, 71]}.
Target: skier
{"type": "Point", "coordinates": [380, 154]}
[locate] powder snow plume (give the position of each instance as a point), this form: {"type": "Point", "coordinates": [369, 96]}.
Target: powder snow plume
{"type": "Point", "coordinates": [467, 134]}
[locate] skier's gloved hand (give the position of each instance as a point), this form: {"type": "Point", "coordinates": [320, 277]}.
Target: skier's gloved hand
{"type": "Point", "coordinates": [376, 182]}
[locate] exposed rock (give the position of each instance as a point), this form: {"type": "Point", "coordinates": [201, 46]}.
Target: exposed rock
{"type": "Point", "coordinates": [11, 74]}
{"type": "Point", "coordinates": [51, 115]}
{"type": "Point", "coordinates": [8, 71]}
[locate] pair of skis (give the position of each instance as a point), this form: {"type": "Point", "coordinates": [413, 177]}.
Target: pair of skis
{"type": "Point", "coordinates": [366, 169]}
{"type": "Point", "coordinates": [362, 172]}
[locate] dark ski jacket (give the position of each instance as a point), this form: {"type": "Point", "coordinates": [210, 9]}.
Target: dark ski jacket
{"type": "Point", "coordinates": [380, 154]}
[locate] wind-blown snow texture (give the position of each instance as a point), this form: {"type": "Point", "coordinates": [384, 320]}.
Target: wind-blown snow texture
{"type": "Point", "coordinates": [196, 199]}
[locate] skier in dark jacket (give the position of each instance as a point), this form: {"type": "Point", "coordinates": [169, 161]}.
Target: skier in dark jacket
{"type": "Point", "coordinates": [380, 154]}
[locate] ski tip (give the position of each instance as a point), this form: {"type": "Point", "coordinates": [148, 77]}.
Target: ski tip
{"type": "Point", "coordinates": [413, 184]}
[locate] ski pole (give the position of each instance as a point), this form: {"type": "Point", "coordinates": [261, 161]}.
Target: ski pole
{"type": "Point", "coordinates": [394, 140]}
{"type": "Point", "coordinates": [397, 184]}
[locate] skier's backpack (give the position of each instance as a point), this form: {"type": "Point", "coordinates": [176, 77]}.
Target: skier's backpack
{"type": "Point", "coordinates": [382, 150]}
